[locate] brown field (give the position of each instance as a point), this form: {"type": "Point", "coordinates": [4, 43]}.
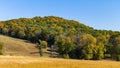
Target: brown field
{"type": "Point", "coordinates": [35, 62]}
{"type": "Point", "coordinates": [17, 47]}
{"type": "Point", "coordinates": [14, 46]}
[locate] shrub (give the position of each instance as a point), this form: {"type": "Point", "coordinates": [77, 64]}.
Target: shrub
{"type": "Point", "coordinates": [118, 58]}
{"type": "Point", "coordinates": [66, 56]}
{"type": "Point", "coordinates": [1, 48]}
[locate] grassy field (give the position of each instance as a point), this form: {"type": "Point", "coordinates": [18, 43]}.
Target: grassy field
{"type": "Point", "coordinates": [35, 62]}
{"type": "Point", "coordinates": [14, 46]}
{"type": "Point", "coordinates": [20, 49]}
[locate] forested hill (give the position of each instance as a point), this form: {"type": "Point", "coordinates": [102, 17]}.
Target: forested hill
{"type": "Point", "coordinates": [73, 39]}
{"type": "Point", "coordinates": [27, 28]}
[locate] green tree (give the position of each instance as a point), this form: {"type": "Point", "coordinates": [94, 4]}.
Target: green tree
{"type": "Point", "coordinates": [5, 31]}
{"type": "Point", "coordinates": [65, 45]}
{"type": "Point", "coordinates": [41, 45]}
{"type": "Point", "coordinates": [21, 34]}
{"type": "Point", "coordinates": [115, 48]}
{"type": "Point", "coordinates": [88, 43]}
{"type": "Point", "coordinates": [100, 51]}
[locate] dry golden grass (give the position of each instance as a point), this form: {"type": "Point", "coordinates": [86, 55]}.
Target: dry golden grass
{"type": "Point", "coordinates": [32, 62]}
{"type": "Point", "coordinates": [16, 46]}
{"type": "Point", "coordinates": [21, 47]}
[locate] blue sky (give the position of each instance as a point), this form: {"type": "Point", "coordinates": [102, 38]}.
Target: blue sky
{"type": "Point", "coordinates": [99, 14]}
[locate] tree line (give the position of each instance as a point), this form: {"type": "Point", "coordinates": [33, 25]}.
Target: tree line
{"type": "Point", "coordinates": [70, 39]}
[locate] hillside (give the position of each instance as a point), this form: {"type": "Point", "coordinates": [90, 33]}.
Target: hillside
{"type": "Point", "coordinates": [30, 62]}
{"type": "Point", "coordinates": [65, 38]}
{"type": "Point", "coordinates": [14, 46]}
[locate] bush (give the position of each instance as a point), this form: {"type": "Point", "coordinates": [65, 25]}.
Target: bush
{"type": "Point", "coordinates": [66, 56]}
{"type": "Point", "coordinates": [118, 58]}
{"type": "Point", "coordinates": [11, 54]}
{"type": "Point", "coordinates": [1, 48]}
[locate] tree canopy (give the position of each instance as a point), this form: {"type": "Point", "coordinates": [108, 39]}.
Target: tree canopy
{"type": "Point", "coordinates": [71, 38]}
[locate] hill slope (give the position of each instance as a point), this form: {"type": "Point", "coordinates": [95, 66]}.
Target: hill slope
{"type": "Point", "coordinates": [18, 47]}
{"type": "Point", "coordinates": [69, 38]}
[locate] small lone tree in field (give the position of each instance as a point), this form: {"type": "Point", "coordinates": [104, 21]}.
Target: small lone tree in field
{"type": "Point", "coordinates": [40, 46]}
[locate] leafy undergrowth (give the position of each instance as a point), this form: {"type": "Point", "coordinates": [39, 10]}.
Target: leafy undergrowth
{"type": "Point", "coordinates": [35, 62]}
